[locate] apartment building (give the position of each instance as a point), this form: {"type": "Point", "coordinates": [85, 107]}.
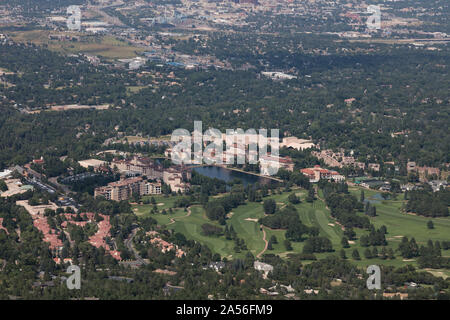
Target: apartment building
{"type": "Point", "coordinates": [143, 166]}
{"type": "Point", "coordinates": [151, 188]}
{"type": "Point", "coordinates": [124, 189]}
{"type": "Point", "coordinates": [317, 173]}
{"type": "Point", "coordinates": [269, 164]}
{"type": "Point", "coordinates": [176, 177]}
{"type": "Point", "coordinates": [120, 190]}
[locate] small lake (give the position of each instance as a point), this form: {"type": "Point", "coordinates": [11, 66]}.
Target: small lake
{"type": "Point", "coordinates": [376, 198]}
{"type": "Point", "coordinates": [228, 175]}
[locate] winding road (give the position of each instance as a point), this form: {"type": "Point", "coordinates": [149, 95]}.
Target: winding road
{"type": "Point", "coordinates": [129, 244]}
{"type": "Point", "coordinates": [172, 220]}
{"type": "Point", "coordinates": [265, 241]}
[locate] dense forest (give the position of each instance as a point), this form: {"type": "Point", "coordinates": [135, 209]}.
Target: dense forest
{"type": "Point", "coordinates": [386, 102]}
{"type": "Point", "coordinates": [430, 204]}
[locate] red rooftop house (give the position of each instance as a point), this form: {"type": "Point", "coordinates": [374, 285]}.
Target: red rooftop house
{"type": "Point", "coordinates": [39, 161]}
{"type": "Point", "coordinates": [317, 173]}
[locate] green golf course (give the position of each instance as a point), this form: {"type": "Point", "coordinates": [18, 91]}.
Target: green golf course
{"type": "Point", "coordinates": [244, 221]}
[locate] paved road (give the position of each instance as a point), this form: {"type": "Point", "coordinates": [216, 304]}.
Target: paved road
{"type": "Point", "coordinates": [172, 220]}
{"type": "Point", "coordinates": [265, 241]}
{"type": "Point", "coordinates": [129, 244]}
{"type": "Point", "coordinates": [63, 187]}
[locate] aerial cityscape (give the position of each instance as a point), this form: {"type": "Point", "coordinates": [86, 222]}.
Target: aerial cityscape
{"type": "Point", "coordinates": [226, 150]}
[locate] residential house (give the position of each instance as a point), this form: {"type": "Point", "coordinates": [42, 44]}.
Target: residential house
{"type": "Point", "coordinates": [265, 267]}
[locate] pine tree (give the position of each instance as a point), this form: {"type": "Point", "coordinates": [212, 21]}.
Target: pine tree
{"type": "Point", "coordinates": [367, 208]}
{"type": "Point", "coordinates": [355, 255]}
{"type": "Point", "coordinates": [287, 245]}
{"type": "Point", "coordinates": [383, 253]}
{"type": "Point", "coordinates": [437, 249]}
{"type": "Point", "coordinates": [364, 241]}
{"type": "Point", "coordinates": [311, 195]}
{"type": "Point", "coordinates": [375, 252]}
{"type": "Point", "coordinates": [414, 247]}
{"type": "Point", "coordinates": [345, 243]}
{"type": "Point", "coordinates": [273, 239]}
{"type": "Point", "coordinates": [390, 253]}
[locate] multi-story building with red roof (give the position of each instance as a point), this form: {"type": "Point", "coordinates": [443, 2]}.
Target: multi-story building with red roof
{"type": "Point", "coordinates": [317, 173]}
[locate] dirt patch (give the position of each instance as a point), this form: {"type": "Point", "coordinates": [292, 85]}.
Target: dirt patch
{"type": "Point", "coordinates": [437, 273]}
{"type": "Point", "coordinates": [336, 283]}
{"type": "Point", "coordinates": [394, 238]}
{"type": "Point", "coordinates": [165, 271]}
{"type": "Point", "coordinates": [36, 210]}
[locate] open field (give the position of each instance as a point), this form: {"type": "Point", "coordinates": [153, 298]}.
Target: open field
{"type": "Point", "coordinates": [134, 89]}
{"type": "Point", "coordinates": [134, 139]}
{"type": "Point", "coordinates": [244, 221]}
{"type": "Point", "coordinates": [400, 224]}
{"type": "Point", "coordinates": [161, 201]}
{"type": "Point", "coordinates": [104, 46]}
{"type": "Point", "coordinates": [191, 228]}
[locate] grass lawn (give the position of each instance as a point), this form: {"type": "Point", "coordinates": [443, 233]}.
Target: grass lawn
{"type": "Point", "coordinates": [247, 229]}
{"type": "Point", "coordinates": [399, 224]}
{"type": "Point", "coordinates": [133, 139]}
{"type": "Point", "coordinates": [134, 89]}
{"type": "Point", "coordinates": [107, 47]}
{"type": "Point", "coordinates": [162, 202]}
{"type": "Point", "coordinates": [316, 214]}
{"type": "Point", "coordinates": [104, 46]}
{"type": "Point", "coordinates": [191, 228]}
